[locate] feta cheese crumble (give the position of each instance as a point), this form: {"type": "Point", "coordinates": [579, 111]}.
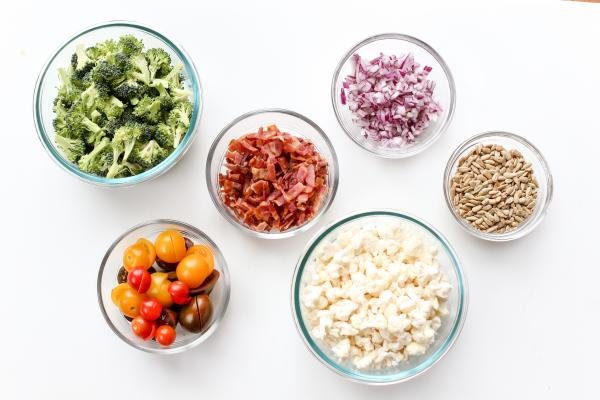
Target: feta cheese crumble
{"type": "Point", "coordinates": [374, 294]}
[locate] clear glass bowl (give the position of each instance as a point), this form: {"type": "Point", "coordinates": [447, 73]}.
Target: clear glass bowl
{"type": "Point", "coordinates": [451, 324]}
{"type": "Point", "coordinates": [541, 172]}
{"type": "Point", "coordinates": [47, 84]}
{"type": "Point", "coordinates": [107, 280]}
{"type": "Point", "coordinates": [287, 121]}
{"type": "Point", "coordinates": [397, 44]}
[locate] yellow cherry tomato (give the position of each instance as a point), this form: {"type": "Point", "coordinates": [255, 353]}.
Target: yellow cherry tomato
{"type": "Point", "coordinates": [193, 270]}
{"type": "Point", "coordinates": [205, 252]}
{"type": "Point", "coordinates": [170, 246]}
{"type": "Point", "coordinates": [117, 291]}
{"type": "Point", "coordinates": [130, 301]}
{"type": "Point", "coordinates": [149, 248]}
{"type": "Point", "coordinates": [159, 289]}
{"type": "Point", "coordinates": [135, 256]}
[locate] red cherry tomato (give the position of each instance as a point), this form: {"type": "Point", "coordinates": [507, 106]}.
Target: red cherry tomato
{"type": "Point", "coordinates": [150, 309]}
{"type": "Point", "coordinates": [139, 279]}
{"type": "Point", "coordinates": [165, 335]}
{"type": "Point", "coordinates": [142, 328]}
{"type": "Point", "coordinates": [180, 292]}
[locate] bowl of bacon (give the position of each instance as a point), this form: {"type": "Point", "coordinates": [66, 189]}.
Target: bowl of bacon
{"type": "Point", "coordinates": [272, 173]}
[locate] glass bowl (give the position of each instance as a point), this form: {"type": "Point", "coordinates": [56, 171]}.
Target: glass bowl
{"type": "Point", "coordinates": [541, 172]}
{"type": "Point", "coordinates": [446, 335]}
{"type": "Point", "coordinates": [46, 90]}
{"type": "Point", "coordinates": [107, 280]}
{"type": "Point", "coordinates": [396, 44]}
{"type": "Point", "coordinates": [287, 121]}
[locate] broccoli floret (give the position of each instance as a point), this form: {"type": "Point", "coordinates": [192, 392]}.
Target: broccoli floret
{"type": "Point", "coordinates": [67, 92]}
{"type": "Point", "coordinates": [80, 126]}
{"type": "Point", "coordinates": [122, 61]}
{"type": "Point", "coordinates": [179, 94]}
{"type": "Point", "coordinates": [148, 134]}
{"type": "Point", "coordinates": [103, 50]}
{"type": "Point", "coordinates": [139, 69]}
{"type": "Point", "coordinates": [149, 109]}
{"type": "Point", "coordinates": [159, 62]}
{"type": "Point", "coordinates": [174, 77]}
{"type": "Point", "coordinates": [73, 149]}
{"type": "Point", "coordinates": [80, 59]}
{"type": "Point", "coordinates": [148, 155]}
{"type": "Point", "coordinates": [180, 114]}
{"type": "Point", "coordinates": [125, 118]}
{"type": "Point", "coordinates": [111, 107]}
{"type": "Point", "coordinates": [129, 90]}
{"type": "Point", "coordinates": [130, 45]}
{"type": "Point", "coordinates": [107, 72]}
{"type": "Point", "coordinates": [82, 78]}
{"type": "Point", "coordinates": [179, 121]}
{"type": "Point", "coordinates": [89, 97]}
{"type": "Point", "coordinates": [126, 137]}
{"type": "Point", "coordinates": [123, 169]}
{"type": "Point", "coordinates": [161, 87]}
{"type": "Point", "coordinates": [94, 161]}
{"type": "Point", "coordinates": [164, 136]}
{"type": "Point", "coordinates": [60, 116]}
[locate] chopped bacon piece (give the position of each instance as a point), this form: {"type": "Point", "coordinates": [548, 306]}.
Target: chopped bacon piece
{"type": "Point", "coordinates": [310, 177]}
{"type": "Point", "coordinates": [273, 181]}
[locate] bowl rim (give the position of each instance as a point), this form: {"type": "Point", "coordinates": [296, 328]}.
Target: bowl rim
{"type": "Point", "coordinates": [381, 380]}
{"type": "Point", "coordinates": [521, 230]}
{"type": "Point", "coordinates": [224, 269]}
{"type": "Point", "coordinates": [163, 166]}
{"type": "Point", "coordinates": [334, 173]}
{"type": "Point", "coordinates": [452, 86]}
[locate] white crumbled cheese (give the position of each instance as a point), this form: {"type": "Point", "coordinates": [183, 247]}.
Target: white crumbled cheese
{"type": "Point", "coordinates": [375, 294]}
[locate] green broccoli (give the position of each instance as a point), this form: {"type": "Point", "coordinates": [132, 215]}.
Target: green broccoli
{"type": "Point", "coordinates": [67, 92]}
{"type": "Point", "coordinates": [161, 87]}
{"type": "Point", "coordinates": [129, 91]}
{"type": "Point", "coordinates": [148, 155]}
{"type": "Point", "coordinates": [73, 149]}
{"type": "Point", "coordinates": [130, 45]}
{"type": "Point", "coordinates": [123, 61]}
{"type": "Point", "coordinates": [159, 62]}
{"type": "Point", "coordinates": [139, 69]}
{"type": "Point", "coordinates": [89, 97]}
{"type": "Point", "coordinates": [79, 126]}
{"type": "Point", "coordinates": [103, 50]}
{"type": "Point", "coordinates": [174, 77]}
{"type": "Point", "coordinates": [111, 107]}
{"type": "Point", "coordinates": [60, 120]}
{"type": "Point", "coordinates": [80, 59]}
{"type": "Point", "coordinates": [81, 78]}
{"type": "Point", "coordinates": [165, 136]}
{"type": "Point", "coordinates": [179, 121]}
{"type": "Point", "coordinates": [107, 72]}
{"type": "Point", "coordinates": [93, 161]}
{"type": "Point", "coordinates": [180, 94]}
{"type": "Point", "coordinates": [126, 137]}
{"type": "Point", "coordinates": [125, 107]}
{"type": "Point", "coordinates": [149, 108]}
{"type": "Point", "coordinates": [181, 114]}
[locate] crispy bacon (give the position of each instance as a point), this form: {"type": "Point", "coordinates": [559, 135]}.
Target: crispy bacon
{"type": "Point", "coordinates": [273, 181]}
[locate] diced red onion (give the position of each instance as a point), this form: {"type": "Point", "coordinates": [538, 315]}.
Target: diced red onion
{"type": "Point", "coordinates": [391, 98]}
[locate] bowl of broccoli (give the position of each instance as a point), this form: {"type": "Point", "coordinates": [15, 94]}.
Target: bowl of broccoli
{"type": "Point", "coordinates": [117, 104]}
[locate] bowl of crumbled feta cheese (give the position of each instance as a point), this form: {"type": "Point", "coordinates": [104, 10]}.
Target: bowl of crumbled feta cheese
{"type": "Point", "coordinates": [379, 296]}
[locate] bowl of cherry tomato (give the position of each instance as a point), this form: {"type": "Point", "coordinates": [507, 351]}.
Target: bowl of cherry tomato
{"type": "Point", "coordinates": [163, 286]}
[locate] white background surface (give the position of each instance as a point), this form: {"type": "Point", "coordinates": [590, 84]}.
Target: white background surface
{"type": "Point", "coordinates": [532, 327]}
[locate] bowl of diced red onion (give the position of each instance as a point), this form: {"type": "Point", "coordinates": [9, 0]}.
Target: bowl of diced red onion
{"type": "Point", "coordinates": [272, 173]}
{"type": "Point", "coordinates": [393, 95]}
